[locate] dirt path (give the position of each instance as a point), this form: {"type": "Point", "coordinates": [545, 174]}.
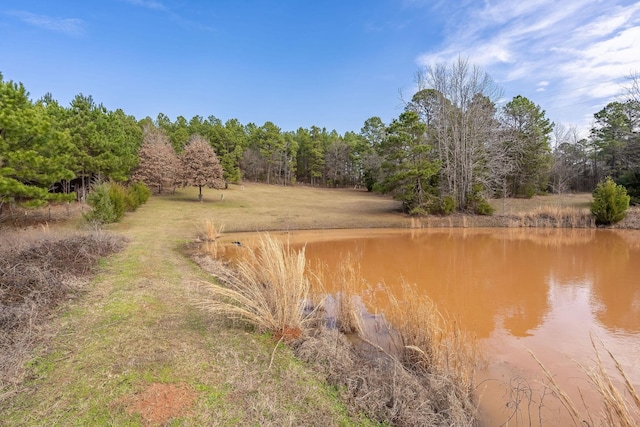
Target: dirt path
{"type": "Point", "coordinates": [135, 350]}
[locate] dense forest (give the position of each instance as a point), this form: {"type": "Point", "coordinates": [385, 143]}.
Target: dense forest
{"type": "Point", "coordinates": [450, 149]}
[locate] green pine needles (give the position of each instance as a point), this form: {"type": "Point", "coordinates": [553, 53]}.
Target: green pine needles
{"type": "Point", "coordinates": [610, 202]}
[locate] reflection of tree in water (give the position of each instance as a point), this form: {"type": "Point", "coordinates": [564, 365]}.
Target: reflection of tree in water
{"type": "Point", "coordinates": [484, 277]}
{"type": "Point", "coordinates": [616, 285]}
{"type": "Point", "coordinates": [475, 278]}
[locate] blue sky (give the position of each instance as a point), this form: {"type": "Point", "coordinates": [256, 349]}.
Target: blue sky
{"type": "Point", "coordinates": [327, 63]}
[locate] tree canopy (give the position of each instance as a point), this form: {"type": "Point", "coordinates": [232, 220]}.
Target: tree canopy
{"type": "Point", "coordinates": [200, 166]}
{"type": "Point", "coordinates": [33, 154]}
{"type": "Point", "coordinates": [452, 145]}
{"type": "Point", "coordinates": [157, 161]}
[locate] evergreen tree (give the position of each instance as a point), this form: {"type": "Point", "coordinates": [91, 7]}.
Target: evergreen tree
{"type": "Point", "coordinates": [373, 133]}
{"type": "Point", "coordinates": [410, 172]}
{"type": "Point", "coordinates": [33, 154]}
{"type": "Point", "coordinates": [526, 132]}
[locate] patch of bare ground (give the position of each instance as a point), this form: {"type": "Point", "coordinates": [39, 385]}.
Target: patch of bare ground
{"type": "Point", "coordinates": [159, 403]}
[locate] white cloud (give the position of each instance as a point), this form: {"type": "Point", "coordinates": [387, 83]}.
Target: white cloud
{"type": "Point", "coordinates": [70, 26]}
{"type": "Point", "coordinates": [583, 49]}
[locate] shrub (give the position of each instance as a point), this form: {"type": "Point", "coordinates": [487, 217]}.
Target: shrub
{"type": "Point", "coordinates": [610, 202]}
{"type": "Point", "coordinates": [110, 200]}
{"type": "Point", "coordinates": [118, 196]}
{"type": "Point", "coordinates": [137, 194]}
{"type": "Point", "coordinates": [483, 207]}
{"type": "Point", "coordinates": [530, 191]}
{"type": "Point", "coordinates": [103, 210]}
{"type": "Point", "coordinates": [477, 203]}
{"type": "Point", "coordinates": [443, 206]}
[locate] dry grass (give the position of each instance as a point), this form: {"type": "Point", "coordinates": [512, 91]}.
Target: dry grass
{"type": "Point", "coordinates": [39, 269]}
{"type": "Point", "coordinates": [554, 217]}
{"type": "Point", "coordinates": [620, 405]}
{"type": "Point", "coordinates": [211, 234]}
{"type": "Point", "coordinates": [425, 379]}
{"type": "Point", "coordinates": [342, 303]}
{"type": "Point", "coordinates": [508, 207]}
{"type": "Point", "coordinates": [268, 288]}
{"type": "Point", "coordinates": [432, 345]}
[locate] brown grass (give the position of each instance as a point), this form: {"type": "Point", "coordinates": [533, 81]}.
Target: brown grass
{"type": "Point", "coordinates": [39, 269]}
{"type": "Point", "coordinates": [342, 303]}
{"type": "Point", "coordinates": [432, 345]}
{"type": "Point", "coordinates": [425, 379]}
{"type": "Point", "coordinates": [554, 217]}
{"type": "Point", "coordinates": [268, 289]}
{"type": "Point", "coordinates": [620, 405]}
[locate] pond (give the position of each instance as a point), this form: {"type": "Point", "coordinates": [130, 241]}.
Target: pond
{"type": "Point", "coordinates": [545, 291]}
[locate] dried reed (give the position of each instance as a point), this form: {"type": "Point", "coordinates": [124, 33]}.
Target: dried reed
{"type": "Point", "coordinates": [211, 235]}
{"type": "Point", "coordinates": [432, 345]}
{"type": "Point", "coordinates": [617, 410]}
{"type": "Point", "coordinates": [556, 217]}
{"type": "Point", "coordinates": [269, 289]}
{"type": "Point", "coordinates": [211, 232]}
{"type": "Point", "coordinates": [342, 302]}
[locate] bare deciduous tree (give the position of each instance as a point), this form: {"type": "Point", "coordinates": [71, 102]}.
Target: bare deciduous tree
{"type": "Point", "coordinates": [460, 110]}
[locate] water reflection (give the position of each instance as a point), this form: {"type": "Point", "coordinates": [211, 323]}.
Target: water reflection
{"type": "Point", "coordinates": [547, 291]}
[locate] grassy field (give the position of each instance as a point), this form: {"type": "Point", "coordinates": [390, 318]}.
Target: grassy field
{"type": "Point", "coordinates": [134, 349]}
{"type": "Point", "coordinates": [135, 340]}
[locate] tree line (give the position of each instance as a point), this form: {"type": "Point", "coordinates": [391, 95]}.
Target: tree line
{"type": "Point", "coordinates": [450, 149]}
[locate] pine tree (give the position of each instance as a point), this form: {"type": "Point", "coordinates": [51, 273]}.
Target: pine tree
{"type": "Point", "coordinates": [33, 154]}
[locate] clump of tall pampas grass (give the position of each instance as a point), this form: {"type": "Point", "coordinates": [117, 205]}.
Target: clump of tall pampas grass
{"type": "Point", "coordinates": [620, 405]}
{"type": "Point", "coordinates": [426, 378]}
{"type": "Point", "coordinates": [268, 288]}
{"type": "Point", "coordinates": [212, 232]}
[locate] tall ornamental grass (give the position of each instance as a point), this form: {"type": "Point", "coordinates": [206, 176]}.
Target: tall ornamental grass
{"type": "Point", "coordinates": [268, 289]}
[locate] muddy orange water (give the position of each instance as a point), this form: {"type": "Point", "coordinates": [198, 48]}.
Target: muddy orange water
{"type": "Point", "coordinates": [517, 290]}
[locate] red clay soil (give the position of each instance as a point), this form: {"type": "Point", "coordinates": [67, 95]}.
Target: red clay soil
{"type": "Point", "coordinates": [159, 403]}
